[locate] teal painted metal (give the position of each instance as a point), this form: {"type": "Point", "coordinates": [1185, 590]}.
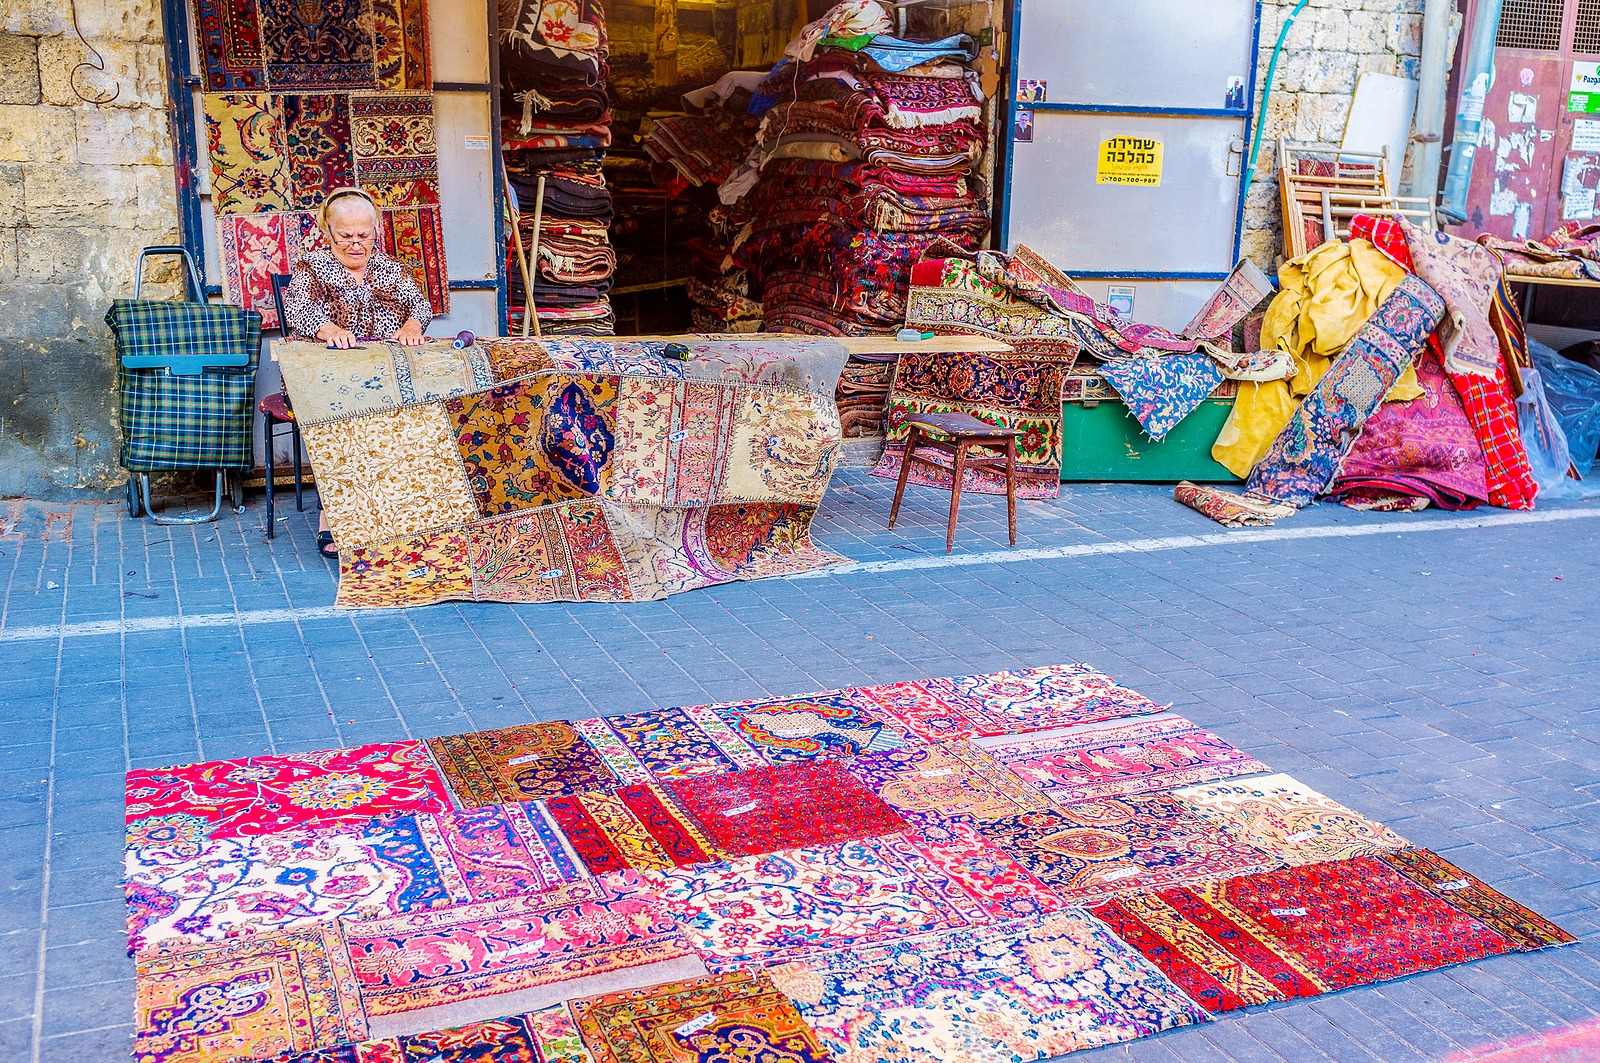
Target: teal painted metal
{"type": "Point", "coordinates": [1266, 96]}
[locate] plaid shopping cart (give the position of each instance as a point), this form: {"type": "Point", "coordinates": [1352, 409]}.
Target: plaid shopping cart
{"type": "Point", "coordinates": [186, 378]}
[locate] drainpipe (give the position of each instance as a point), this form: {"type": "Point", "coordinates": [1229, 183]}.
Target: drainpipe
{"type": "Point", "coordinates": [1475, 78]}
{"type": "Point", "coordinates": [1432, 79]}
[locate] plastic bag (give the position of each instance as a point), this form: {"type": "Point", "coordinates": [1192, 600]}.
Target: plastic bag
{"type": "Point", "coordinates": [1542, 435]}
{"type": "Point", "coordinates": [1572, 390]}
{"type": "Point", "coordinates": [1548, 454]}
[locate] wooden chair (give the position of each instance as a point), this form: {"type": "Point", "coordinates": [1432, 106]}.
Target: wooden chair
{"type": "Point", "coordinates": [954, 435]}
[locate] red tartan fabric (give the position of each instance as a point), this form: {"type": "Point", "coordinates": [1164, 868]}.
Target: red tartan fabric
{"type": "Point", "coordinates": [1386, 235]}
{"type": "Point", "coordinates": [1489, 404]}
{"type": "Point", "coordinates": [1493, 414]}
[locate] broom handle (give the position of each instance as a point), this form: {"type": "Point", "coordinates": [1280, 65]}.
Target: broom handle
{"type": "Point", "coordinates": [533, 259]}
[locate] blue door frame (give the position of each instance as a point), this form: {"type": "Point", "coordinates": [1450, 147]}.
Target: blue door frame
{"type": "Point", "coordinates": [1008, 119]}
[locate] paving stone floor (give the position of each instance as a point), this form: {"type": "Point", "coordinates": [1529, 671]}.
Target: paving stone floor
{"type": "Point", "coordinates": [1438, 672]}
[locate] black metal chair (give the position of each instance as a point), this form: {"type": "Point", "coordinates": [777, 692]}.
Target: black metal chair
{"type": "Point", "coordinates": [275, 413]}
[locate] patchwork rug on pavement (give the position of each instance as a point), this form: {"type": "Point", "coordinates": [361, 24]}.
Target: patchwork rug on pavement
{"type": "Point", "coordinates": [980, 869]}
{"type": "Point", "coordinates": [566, 470]}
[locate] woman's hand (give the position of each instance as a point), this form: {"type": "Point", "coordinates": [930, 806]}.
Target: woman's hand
{"type": "Point", "coordinates": [334, 336]}
{"type": "Point", "coordinates": [410, 334]}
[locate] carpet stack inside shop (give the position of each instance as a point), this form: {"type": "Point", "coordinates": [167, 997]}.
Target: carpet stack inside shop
{"type": "Point", "coordinates": [701, 150]}
{"type": "Point", "coordinates": [867, 168]}
{"type": "Point", "coordinates": [865, 171]}
{"type": "Point", "coordinates": [557, 124]}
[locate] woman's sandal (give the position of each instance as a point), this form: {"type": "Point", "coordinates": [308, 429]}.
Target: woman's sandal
{"type": "Point", "coordinates": [325, 545]}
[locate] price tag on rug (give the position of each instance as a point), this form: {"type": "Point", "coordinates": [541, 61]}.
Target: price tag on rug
{"type": "Point", "coordinates": [1300, 836]}
{"type": "Point", "coordinates": [742, 809]}
{"type": "Point", "coordinates": [1282, 913]}
{"type": "Point", "coordinates": [550, 573]}
{"type": "Point", "coordinates": [1454, 884]}
{"type": "Point", "coordinates": [679, 436]}
{"type": "Point", "coordinates": [1120, 873]}
{"type": "Point", "coordinates": [695, 1025]}
{"type": "Point", "coordinates": [526, 758]}
{"type": "Point", "coordinates": [934, 773]}
{"type": "Point", "coordinates": [418, 572]}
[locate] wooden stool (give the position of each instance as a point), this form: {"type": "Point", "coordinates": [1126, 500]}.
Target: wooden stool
{"type": "Point", "coordinates": [955, 434]}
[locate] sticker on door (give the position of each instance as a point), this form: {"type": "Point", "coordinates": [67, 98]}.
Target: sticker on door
{"type": "Point", "coordinates": [1129, 161]}
{"type": "Point", "coordinates": [1584, 89]}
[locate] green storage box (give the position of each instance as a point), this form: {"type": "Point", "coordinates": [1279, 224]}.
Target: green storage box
{"type": "Point", "coordinates": [1101, 440]}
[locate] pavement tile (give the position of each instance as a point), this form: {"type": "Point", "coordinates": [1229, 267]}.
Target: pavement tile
{"type": "Point", "coordinates": [1426, 717]}
{"type": "Point", "coordinates": [108, 1043]}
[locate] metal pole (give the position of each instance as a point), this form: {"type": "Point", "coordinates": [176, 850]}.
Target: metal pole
{"type": "Point", "coordinates": [1476, 76]}
{"type": "Point", "coordinates": [1429, 127]}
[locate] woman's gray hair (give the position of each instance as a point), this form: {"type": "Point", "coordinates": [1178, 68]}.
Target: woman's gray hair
{"type": "Point", "coordinates": [338, 199]}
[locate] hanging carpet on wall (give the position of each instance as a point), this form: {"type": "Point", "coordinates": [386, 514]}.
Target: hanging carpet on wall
{"type": "Point", "coordinates": [305, 98]}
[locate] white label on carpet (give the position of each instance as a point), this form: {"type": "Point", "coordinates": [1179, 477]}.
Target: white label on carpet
{"type": "Point", "coordinates": [1300, 836]}
{"type": "Point", "coordinates": [696, 1025]}
{"type": "Point", "coordinates": [1281, 912]}
{"type": "Point", "coordinates": [526, 758]}
{"type": "Point", "coordinates": [1454, 884]}
{"type": "Point", "coordinates": [1126, 872]}
{"type": "Point", "coordinates": [679, 436]}
{"type": "Point", "coordinates": [550, 573]}
{"type": "Point", "coordinates": [742, 809]}
{"type": "Point", "coordinates": [933, 773]}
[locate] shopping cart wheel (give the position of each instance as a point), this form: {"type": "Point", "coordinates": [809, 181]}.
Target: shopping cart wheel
{"type": "Point", "coordinates": [236, 491]}
{"type": "Point", "coordinates": [134, 509]}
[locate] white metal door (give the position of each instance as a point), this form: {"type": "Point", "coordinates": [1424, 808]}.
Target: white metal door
{"type": "Point", "coordinates": [1174, 74]}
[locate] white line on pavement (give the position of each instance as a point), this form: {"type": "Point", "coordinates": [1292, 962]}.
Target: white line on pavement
{"type": "Point", "coordinates": [133, 625]}
{"type": "Point", "coordinates": [1235, 537]}
{"type": "Point", "coordinates": [1190, 542]}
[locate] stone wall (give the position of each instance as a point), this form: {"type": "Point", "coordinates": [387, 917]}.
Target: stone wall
{"type": "Point", "coordinates": [82, 187]}
{"type": "Point", "coordinates": [1330, 45]}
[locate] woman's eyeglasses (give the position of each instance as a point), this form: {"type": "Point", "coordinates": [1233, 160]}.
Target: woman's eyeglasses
{"type": "Point", "coordinates": [352, 239]}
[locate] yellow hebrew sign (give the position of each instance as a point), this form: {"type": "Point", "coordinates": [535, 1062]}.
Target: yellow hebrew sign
{"type": "Point", "coordinates": [1130, 161]}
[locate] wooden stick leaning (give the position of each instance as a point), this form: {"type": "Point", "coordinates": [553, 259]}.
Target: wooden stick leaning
{"type": "Point", "coordinates": [528, 310]}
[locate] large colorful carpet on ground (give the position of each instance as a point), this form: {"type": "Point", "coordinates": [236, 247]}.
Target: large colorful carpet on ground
{"type": "Point", "coordinates": [980, 869]}
{"type": "Point", "coordinates": [566, 470]}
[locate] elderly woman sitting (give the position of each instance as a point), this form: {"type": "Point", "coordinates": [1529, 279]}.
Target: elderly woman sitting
{"type": "Point", "coordinates": [350, 291]}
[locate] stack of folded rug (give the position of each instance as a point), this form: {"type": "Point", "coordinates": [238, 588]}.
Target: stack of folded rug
{"type": "Point", "coordinates": [860, 166]}
{"type": "Point", "coordinates": [862, 396]}
{"type": "Point", "coordinates": [557, 124]}
{"type": "Point", "coordinates": [694, 153]}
